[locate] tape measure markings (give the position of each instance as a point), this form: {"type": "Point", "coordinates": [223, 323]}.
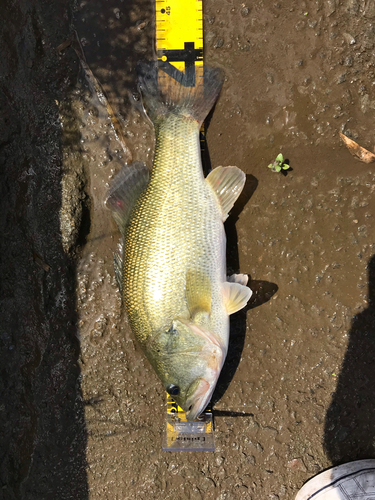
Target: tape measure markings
{"type": "Point", "coordinates": [181, 26]}
{"type": "Point", "coordinates": [179, 46]}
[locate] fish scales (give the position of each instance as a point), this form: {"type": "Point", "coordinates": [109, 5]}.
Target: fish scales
{"type": "Point", "coordinates": [173, 279]}
{"type": "Point", "coordinates": [174, 223]}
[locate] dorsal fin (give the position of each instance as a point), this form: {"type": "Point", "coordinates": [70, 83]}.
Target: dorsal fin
{"type": "Point", "coordinates": [227, 183]}
{"type": "Point", "coordinates": [118, 262]}
{"type": "Point", "coordinates": [124, 191]}
{"type": "Point", "coordinates": [236, 296]}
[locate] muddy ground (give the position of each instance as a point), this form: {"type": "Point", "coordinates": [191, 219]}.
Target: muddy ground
{"type": "Point", "coordinates": [82, 419]}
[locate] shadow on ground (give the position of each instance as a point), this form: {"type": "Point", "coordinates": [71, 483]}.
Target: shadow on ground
{"type": "Point", "coordinates": [115, 37]}
{"type": "Point", "coordinates": [350, 424]}
{"type": "Point", "coordinates": [262, 292]}
{"type": "Point", "coordinates": [42, 429]}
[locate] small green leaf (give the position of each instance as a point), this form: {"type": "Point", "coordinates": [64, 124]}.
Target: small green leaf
{"type": "Point", "coordinates": [279, 158]}
{"type": "Point", "coordinates": [270, 165]}
{"type": "Point", "coordinates": [277, 168]}
{"type": "Point", "coordinates": [286, 166]}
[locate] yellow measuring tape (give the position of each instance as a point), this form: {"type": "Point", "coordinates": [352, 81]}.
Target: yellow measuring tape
{"type": "Point", "coordinates": [181, 435]}
{"type": "Point", "coordinates": [179, 34]}
{"type": "Point", "coordinates": [179, 41]}
{"type": "Point", "coordinates": [179, 45]}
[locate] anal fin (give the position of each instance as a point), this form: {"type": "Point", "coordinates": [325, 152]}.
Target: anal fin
{"type": "Point", "coordinates": [227, 183]}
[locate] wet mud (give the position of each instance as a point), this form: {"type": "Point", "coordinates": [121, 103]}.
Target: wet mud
{"type": "Point", "coordinates": [81, 411]}
{"type": "Point", "coordinates": [43, 434]}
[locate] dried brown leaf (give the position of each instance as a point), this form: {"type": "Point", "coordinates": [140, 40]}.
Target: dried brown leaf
{"type": "Point", "coordinates": [358, 151]}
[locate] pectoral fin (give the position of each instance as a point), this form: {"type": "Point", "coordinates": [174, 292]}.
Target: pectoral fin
{"type": "Point", "coordinates": [124, 191]}
{"type": "Point", "coordinates": [227, 183]}
{"type": "Point", "coordinates": [209, 337]}
{"type": "Point", "coordinates": [236, 296]}
{"type": "Point", "coordinates": [198, 293]}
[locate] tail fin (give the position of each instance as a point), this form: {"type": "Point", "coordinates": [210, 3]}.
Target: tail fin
{"type": "Point", "coordinates": [176, 95]}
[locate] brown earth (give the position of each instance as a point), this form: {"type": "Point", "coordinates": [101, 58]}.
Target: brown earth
{"type": "Point", "coordinates": [83, 420]}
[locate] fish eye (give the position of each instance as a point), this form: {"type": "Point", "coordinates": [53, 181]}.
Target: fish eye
{"type": "Point", "coordinates": [173, 390]}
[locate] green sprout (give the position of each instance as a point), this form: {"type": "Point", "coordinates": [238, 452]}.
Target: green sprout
{"type": "Point", "coordinates": [278, 164]}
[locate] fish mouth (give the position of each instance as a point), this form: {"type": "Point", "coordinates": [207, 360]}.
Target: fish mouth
{"type": "Point", "coordinates": [200, 391]}
{"type": "Point", "coordinates": [199, 399]}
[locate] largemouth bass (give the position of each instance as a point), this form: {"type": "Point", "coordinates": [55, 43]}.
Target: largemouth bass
{"type": "Point", "coordinates": [172, 269]}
